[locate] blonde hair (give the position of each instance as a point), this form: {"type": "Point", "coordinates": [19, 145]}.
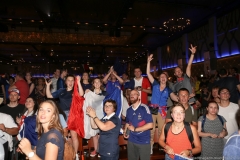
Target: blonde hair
{"type": "Point", "coordinates": [55, 121]}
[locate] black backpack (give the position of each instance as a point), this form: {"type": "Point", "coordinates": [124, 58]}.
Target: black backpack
{"type": "Point", "coordinates": [188, 130]}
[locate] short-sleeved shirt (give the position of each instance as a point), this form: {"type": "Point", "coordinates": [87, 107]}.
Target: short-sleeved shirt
{"type": "Point", "coordinates": [108, 141]}
{"type": "Point", "coordinates": [138, 118]}
{"type": "Point", "coordinates": [110, 86]}
{"type": "Point", "coordinates": [52, 136]}
{"type": "Point", "coordinates": [13, 111]}
{"type": "Point", "coordinates": [23, 88]}
{"type": "Point", "coordinates": [160, 97]}
{"type": "Point", "coordinates": [65, 98]}
{"type": "Point", "coordinates": [231, 149]}
{"type": "Point", "coordinates": [190, 114]}
{"type": "Point", "coordinates": [86, 86]}
{"type": "Point", "coordinates": [185, 83]}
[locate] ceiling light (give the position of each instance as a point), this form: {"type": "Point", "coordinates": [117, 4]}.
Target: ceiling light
{"type": "Point", "coordinates": [105, 24]}
{"type": "Point", "coordinates": [78, 22]}
{"type": "Point", "coordinates": [134, 26]}
{"type": "Point", "coordinates": [32, 20]}
{"type": "Point", "coordinates": [176, 24]}
{"type": "Point", "coordinates": [86, 23]}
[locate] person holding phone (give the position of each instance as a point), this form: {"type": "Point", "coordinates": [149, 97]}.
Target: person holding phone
{"type": "Point", "coordinates": [138, 122]}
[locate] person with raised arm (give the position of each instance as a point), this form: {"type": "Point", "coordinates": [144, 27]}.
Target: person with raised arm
{"type": "Point", "coordinates": [160, 95]}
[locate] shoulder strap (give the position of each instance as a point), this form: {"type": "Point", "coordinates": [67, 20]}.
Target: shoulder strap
{"type": "Point", "coordinates": [203, 121]}
{"type": "Point", "coordinates": [166, 129]}
{"type": "Point", "coordinates": [189, 131]}
{"type": "Point", "coordinates": [192, 110]}
{"type": "Point", "coordinates": [220, 118]}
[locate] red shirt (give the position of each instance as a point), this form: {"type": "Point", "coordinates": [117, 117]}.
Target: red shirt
{"type": "Point", "coordinates": [23, 88]}
{"type": "Point", "coordinates": [144, 96]}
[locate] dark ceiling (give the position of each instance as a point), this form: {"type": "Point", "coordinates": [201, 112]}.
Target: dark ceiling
{"type": "Point", "coordinates": [95, 31]}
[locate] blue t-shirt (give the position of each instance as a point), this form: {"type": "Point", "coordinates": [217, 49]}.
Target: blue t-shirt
{"type": "Point", "coordinates": [53, 136]}
{"type": "Point", "coordinates": [111, 86]}
{"type": "Point", "coordinates": [86, 86]}
{"type": "Point", "coordinates": [138, 118]}
{"type": "Point", "coordinates": [65, 98]}
{"type": "Point", "coordinates": [160, 97]}
{"type": "Point", "coordinates": [108, 141]}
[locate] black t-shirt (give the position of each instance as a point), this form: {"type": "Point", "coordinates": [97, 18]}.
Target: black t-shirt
{"type": "Point", "coordinates": [13, 111]}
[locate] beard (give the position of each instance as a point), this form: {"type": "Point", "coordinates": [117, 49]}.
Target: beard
{"type": "Point", "coordinates": [133, 101]}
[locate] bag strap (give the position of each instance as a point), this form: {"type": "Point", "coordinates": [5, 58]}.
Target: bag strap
{"type": "Point", "coordinates": [166, 129]}
{"type": "Point", "coordinates": [204, 119]}
{"type": "Point", "coordinates": [189, 132]}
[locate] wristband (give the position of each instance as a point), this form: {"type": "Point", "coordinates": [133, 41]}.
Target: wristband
{"type": "Point", "coordinates": [225, 129]}
{"type": "Point", "coordinates": [134, 130]}
{"type": "Point", "coordinates": [94, 118]}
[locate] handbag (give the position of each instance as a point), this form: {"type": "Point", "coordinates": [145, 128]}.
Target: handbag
{"type": "Point", "coordinates": [69, 152]}
{"type": "Point", "coordinates": [153, 109]}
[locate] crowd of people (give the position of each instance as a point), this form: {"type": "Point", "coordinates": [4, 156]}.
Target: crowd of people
{"type": "Point", "coordinates": [194, 117]}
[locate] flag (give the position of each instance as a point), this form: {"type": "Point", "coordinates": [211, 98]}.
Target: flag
{"type": "Point", "coordinates": [76, 115]}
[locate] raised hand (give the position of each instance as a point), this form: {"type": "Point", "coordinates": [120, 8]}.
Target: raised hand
{"type": "Point", "coordinates": [193, 49]}
{"type": "Point", "coordinates": [150, 58]}
{"type": "Point", "coordinates": [48, 83]}
{"type": "Point", "coordinates": [78, 78]}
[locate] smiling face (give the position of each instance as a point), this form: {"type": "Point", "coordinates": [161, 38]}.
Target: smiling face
{"type": "Point", "coordinates": [45, 113]}
{"type": "Point", "coordinates": [163, 78]}
{"type": "Point", "coordinates": [178, 114]}
{"type": "Point", "coordinates": [178, 72]}
{"type": "Point", "coordinates": [183, 97]}
{"type": "Point", "coordinates": [85, 76]}
{"type": "Point", "coordinates": [29, 104]}
{"type": "Point", "coordinates": [97, 83]}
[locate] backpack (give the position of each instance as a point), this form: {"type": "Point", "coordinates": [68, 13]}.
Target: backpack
{"type": "Point", "coordinates": [188, 130]}
{"type": "Point", "coordinates": [204, 119]}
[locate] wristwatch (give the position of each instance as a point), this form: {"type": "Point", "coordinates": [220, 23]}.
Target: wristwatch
{"type": "Point", "coordinates": [31, 154]}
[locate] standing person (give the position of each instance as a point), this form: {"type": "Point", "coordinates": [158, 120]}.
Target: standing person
{"type": "Point", "coordinates": [160, 94]}
{"type": "Point", "coordinates": [115, 81]}
{"type": "Point", "coordinates": [212, 129]}
{"type": "Point", "coordinates": [40, 91]}
{"type": "Point", "coordinates": [65, 100]}
{"type": "Point", "coordinates": [138, 124]}
{"type": "Point", "coordinates": [214, 94]}
{"type": "Point", "coordinates": [98, 96]}
{"type": "Point", "coordinates": [31, 85]}
{"type": "Point", "coordinates": [54, 80]}
{"type": "Point", "coordinates": [190, 112]}
{"type": "Point", "coordinates": [5, 84]}
{"type": "Point", "coordinates": [61, 79]}
{"type": "Point", "coordinates": [232, 148]}
{"type": "Point", "coordinates": [85, 81]}
{"type": "Point", "coordinates": [22, 86]}
{"type": "Point", "coordinates": [109, 130]}
{"type": "Point", "coordinates": [231, 83]}
{"type": "Point", "coordinates": [126, 81]}
{"type": "Point", "coordinates": [14, 109]}
{"type": "Point", "coordinates": [8, 128]}
{"type": "Point", "coordinates": [228, 110]}
{"type": "Point", "coordinates": [183, 80]}
{"type": "Point", "coordinates": [175, 140]}
{"type": "Point", "coordinates": [51, 141]}
{"type": "Point", "coordinates": [27, 122]}
{"type": "Point", "coordinates": [141, 84]}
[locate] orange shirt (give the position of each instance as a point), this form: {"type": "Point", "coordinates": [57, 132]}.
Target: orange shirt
{"type": "Point", "coordinates": [178, 142]}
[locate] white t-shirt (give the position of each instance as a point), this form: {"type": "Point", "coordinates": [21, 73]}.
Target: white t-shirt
{"type": "Point", "coordinates": [229, 113]}
{"type": "Point", "coordinates": [8, 122]}
{"type": "Point", "coordinates": [1, 151]}
{"type": "Point", "coordinates": [54, 84]}
{"type": "Point", "coordinates": [138, 83]}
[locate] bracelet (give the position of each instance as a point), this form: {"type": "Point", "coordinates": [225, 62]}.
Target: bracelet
{"type": "Point", "coordinates": [225, 129]}
{"type": "Point", "coordinates": [94, 118]}
{"type": "Point", "coordinates": [134, 130]}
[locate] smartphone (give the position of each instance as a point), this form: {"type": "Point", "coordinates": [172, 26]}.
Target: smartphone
{"type": "Point", "coordinates": [127, 132]}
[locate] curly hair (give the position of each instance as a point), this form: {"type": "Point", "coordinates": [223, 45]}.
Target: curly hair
{"type": "Point", "coordinates": [54, 123]}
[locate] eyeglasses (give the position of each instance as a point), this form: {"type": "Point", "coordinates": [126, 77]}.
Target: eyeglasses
{"type": "Point", "coordinates": [224, 93]}
{"type": "Point", "coordinates": [108, 106]}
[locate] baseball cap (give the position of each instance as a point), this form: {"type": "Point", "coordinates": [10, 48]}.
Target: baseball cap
{"type": "Point", "coordinates": [15, 90]}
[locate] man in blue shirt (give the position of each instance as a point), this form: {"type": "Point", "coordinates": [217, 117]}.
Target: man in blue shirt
{"type": "Point", "coordinates": [61, 79]}
{"type": "Point", "coordinates": [137, 129]}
